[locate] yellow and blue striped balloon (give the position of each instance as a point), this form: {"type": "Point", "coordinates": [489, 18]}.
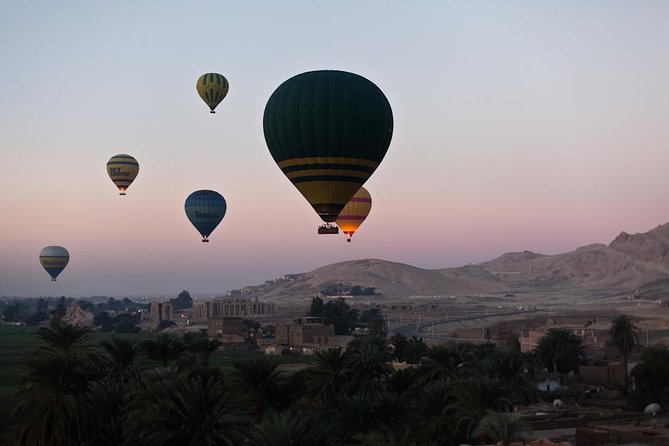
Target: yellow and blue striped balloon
{"type": "Point", "coordinates": [54, 259]}
{"type": "Point", "coordinates": [122, 170]}
{"type": "Point", "coordinates": [212, 88]}
{"type": "Point", "coordinates": [205, 209]}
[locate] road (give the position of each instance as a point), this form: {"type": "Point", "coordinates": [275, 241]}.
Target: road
{"type": "Point", "coordinates": [413, 329]}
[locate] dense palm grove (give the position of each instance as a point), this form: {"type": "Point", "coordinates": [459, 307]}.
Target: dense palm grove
{"type": "Point", "coordinates": [163, 392]}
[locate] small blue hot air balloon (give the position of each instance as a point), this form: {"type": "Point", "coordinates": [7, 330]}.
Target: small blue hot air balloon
{"type": "Point", "coordinates": [205, 209]}
{"type": "Point", "coordinates": [54, 259]}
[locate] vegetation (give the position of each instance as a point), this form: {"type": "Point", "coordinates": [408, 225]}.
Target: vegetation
{"type": "Point", "coordinates": [84, 388]}
{"type": "Point", "coordinates": [341, 289]}
{"type": "Point", "coordinates": [182, 301]}
{"type": "Point", "coordinates": [166, 391]}
{"type": "Point", "coordinates": [560, 351]}
{"type": "Point", "coordinates": [344, 318]}
{"type": "Point", "coordinates": [625, 337]}
{"type": "Point", "coordinates": [650, 378]}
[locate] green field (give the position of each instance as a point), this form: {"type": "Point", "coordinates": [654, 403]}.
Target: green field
{"type": "Point", "coordinates": [16, 342]}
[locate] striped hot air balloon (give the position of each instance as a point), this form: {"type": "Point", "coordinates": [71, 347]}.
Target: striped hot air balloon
{"type": "Point", "coordinates": [122, 170]}
{"type": "Point", "coordinates": [54, 259]}
{"type": "Point", "coordinates": [212, 88]}
{"type": "Point", "coordinates": [328, 131]}
{"type": "Point", "coordinates": [354, 213]}
{"type": "Point", "coordinates": [205, 209]}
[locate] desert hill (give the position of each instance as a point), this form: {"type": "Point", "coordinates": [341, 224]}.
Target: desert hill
{"type": "Point", "coordinates": [390, 279]}
{"type": "Point", "coordinates": [629, 263]}
{"type": "Point", "coordinates": [651, 246]}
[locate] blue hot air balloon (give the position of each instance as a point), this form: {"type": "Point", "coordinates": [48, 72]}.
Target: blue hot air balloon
{"type": "Point", "coordinates": [54, 259]}
{"type": "Point", "coordinates": [205, 209]}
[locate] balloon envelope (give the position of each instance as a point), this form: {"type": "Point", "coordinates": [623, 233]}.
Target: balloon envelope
{"type": "Point", "coordinates": [328, 131]}
{"type": "Point", "coordinates": [355, 212]}
{"type": "Point", "coordinates": [122, 170]}
{"type": "Point", "coordinates": [205, 209]}
{"type": "Point", "coordinates": [54, 259]}
{"type": "Point", "coordinates": [212, 88]}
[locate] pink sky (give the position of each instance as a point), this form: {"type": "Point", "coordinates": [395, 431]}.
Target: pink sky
{"type": "Point", "coordinates": [536, 126]}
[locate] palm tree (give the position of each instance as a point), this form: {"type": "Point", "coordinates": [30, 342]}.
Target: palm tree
{"type": "Point", "coordinates": [432, 406]}
{"type": "Point", "coordinates": [442, 363]}
{"type": "Point", "coordinates": [650, 378]}
{"type": "Point", "coordinates": [327, 377]}
{"type": "Point", "coordinates": [185, 413]}
{"type": "Point", "coordinates": [165, 348]}
{"type": "Point", "coordinates": [393, 413]}
{"type": "Point", "coordinates": [625, 337]}
{"type": "Point", "coordinates": [512, 369]}
{"type": "Point", "coordinates": [68, 339]}
{"type": "Point", "coordinates": [377, 438]}
{"type": "Point", "coordinates": [561, 350]}
{"type": "Point", "coordinates": [369, 363]}
{"type": "Point", "coordinates": [50, 407]}
{"type": "Point", "coordinates": [106, 402]}
{"type": "Point", "coordinates": [287, 428]}
{"type": "Point", "coordinates": [121, 355]}
{"type": "Point", "coordinates": [354, 416]}
{"type": "Point", "coordinates": [501, 427]}
{"type": "Point", "coordinates": [474, 397]}
{"type": "Point", "coordinates": [259, 378]}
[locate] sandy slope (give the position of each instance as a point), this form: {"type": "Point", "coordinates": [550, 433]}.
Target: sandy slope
{"type": "Point", "coordinates": [629, 263]}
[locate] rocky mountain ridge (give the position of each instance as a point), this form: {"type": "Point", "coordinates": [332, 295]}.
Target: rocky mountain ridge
{"type": "Point", "coordinates": [629, 262]}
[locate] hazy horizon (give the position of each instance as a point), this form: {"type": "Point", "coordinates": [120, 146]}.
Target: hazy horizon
{"type": "Point", "coordinates": [534, 126]}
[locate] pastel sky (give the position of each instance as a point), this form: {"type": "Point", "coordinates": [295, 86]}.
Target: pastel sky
{"type": "Point", "coordinates": [538, 125]}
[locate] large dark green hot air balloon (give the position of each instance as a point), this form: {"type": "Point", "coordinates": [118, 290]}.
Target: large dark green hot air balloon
{"type": "Point", "coordinates": [328, 131]}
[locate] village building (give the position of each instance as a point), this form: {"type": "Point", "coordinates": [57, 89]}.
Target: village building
{"type": "Point", "coordinates": [222, 307]}
{"type": "Point", "coordinates": [160, 311]}
{"type": "Point", "coordinates": [226, 329]}
{"type": "Point", "coordinates": [306, 335]}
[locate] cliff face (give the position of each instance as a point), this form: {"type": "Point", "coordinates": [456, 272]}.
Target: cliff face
{"type": "Point", "coordinates": [651, 246]}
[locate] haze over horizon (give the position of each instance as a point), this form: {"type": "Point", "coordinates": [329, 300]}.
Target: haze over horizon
{"type": "Point", "coordinates": [518, 126]}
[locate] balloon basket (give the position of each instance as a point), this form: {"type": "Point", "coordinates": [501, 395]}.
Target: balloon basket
{"type": "Point", "coordinates": [205, 240]}
{"type": "Point", "coordinates": [328, 229]}
{"type": "Point", "coordinates": [53, 280]}
{"type": "Point", "coordinates": [348, 240]}
{"type": "Point", "coordinates": [212, 111]}
{"type": "Point", "coordinates": [122, 193]}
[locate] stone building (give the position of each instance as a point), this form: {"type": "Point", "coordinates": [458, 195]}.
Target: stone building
{"type": "Point", "coordinates": [305, 332]}
{"type": "Point", "coordinates": [160, 311]}
{"type": "Point", "coordinates": [221, 307]}
{"type": "Point", "coordinates": [226, 329]}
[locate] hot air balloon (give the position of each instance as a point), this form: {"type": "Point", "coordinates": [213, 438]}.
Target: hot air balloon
{"type": "Point", "coordinates": [122, 170]}
{"type": "Point", "coordinates": [54, 260]}
{"type": "Point", "coordinates": [212, 88]}
{"type": "Point", "coordinates": [328, 131]}
{"type": "Point", "coordinates": [354, 213]}
{"type": "Point", "coordinates": [205, 210]}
